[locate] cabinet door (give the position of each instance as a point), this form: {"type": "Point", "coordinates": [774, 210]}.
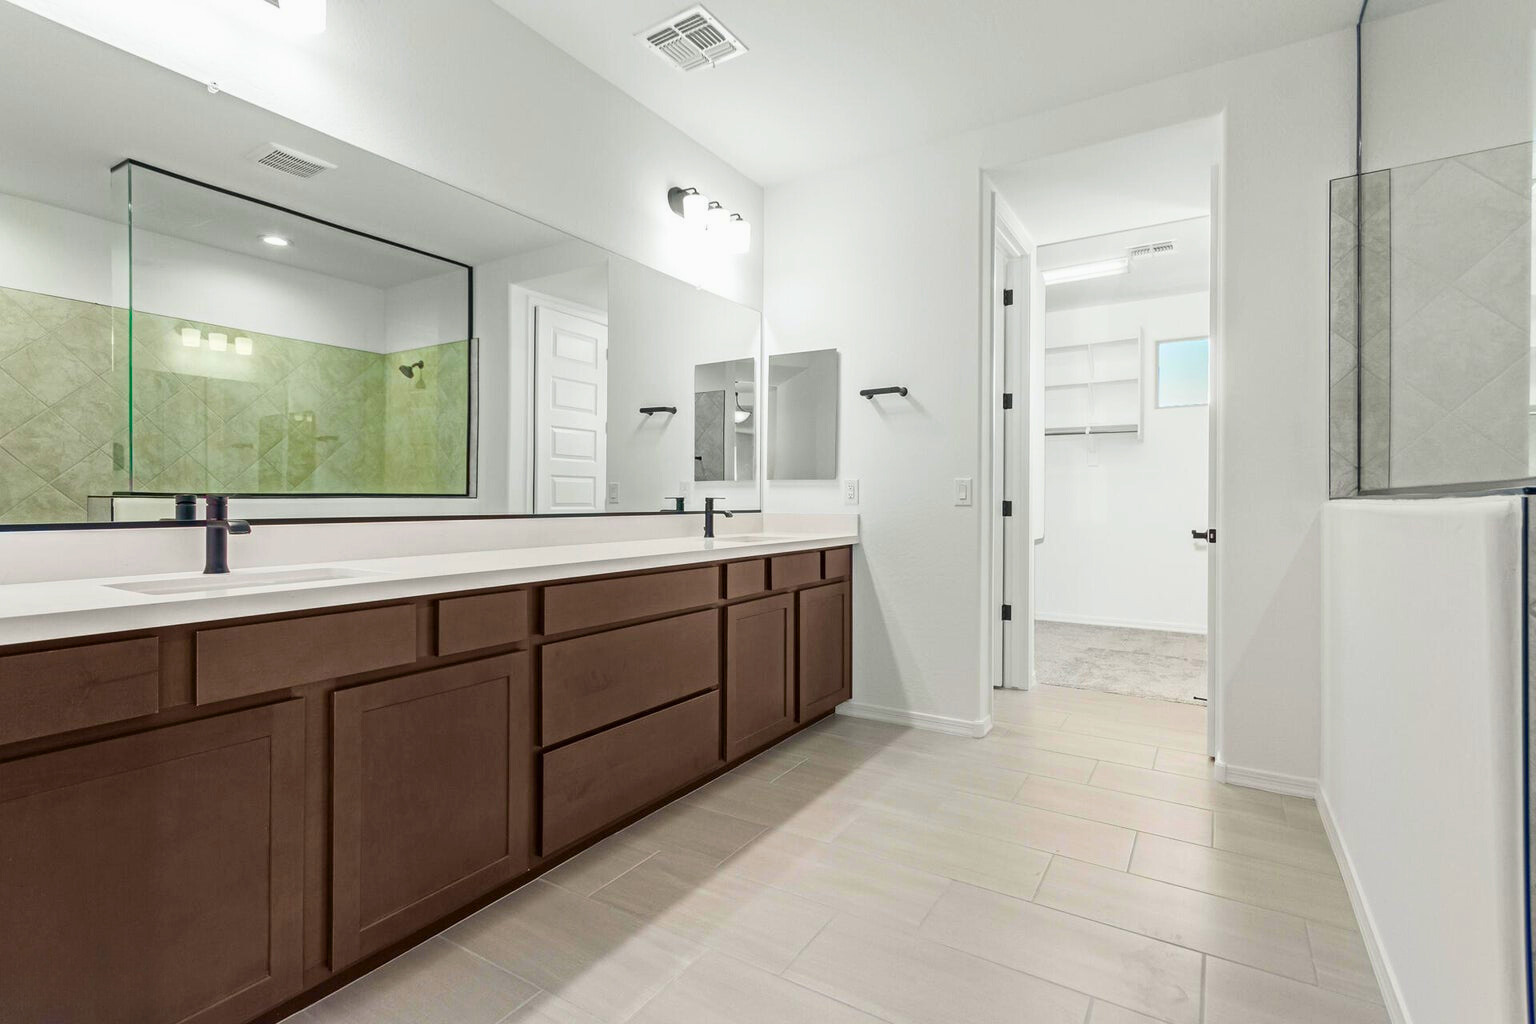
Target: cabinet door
{"type": "Point", "coordinates": [155, 878]}
{"type": "Point", "coordinates": [826, 648]}
{"type": "Point", "coordinates": [759, 673]}
{"type": "Point", "coordinates": [432, 797]}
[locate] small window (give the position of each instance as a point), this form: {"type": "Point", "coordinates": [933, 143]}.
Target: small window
{"type": "Point", "coordinates": [1183, 372]}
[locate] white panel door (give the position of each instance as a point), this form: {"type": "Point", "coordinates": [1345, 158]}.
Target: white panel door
{"type": "Point", "coordinates": [570, 412]}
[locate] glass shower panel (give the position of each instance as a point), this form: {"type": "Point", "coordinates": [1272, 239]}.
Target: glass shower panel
{"type": "Point", "coordinates": [276, 354]}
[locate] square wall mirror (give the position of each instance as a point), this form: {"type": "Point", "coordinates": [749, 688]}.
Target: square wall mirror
{"type": "Point", "coordinates": [801, 402]}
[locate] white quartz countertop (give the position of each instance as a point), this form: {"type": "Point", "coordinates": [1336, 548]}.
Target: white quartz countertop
{"type": "Point", "coordinates": [52, 610]}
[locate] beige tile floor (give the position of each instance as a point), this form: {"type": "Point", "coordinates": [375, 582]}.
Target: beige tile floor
{"type": "Point", "coordinates": [1079, 865]}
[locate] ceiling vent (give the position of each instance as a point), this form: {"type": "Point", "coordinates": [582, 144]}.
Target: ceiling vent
{"type": "Point", "coordinates": [289, 161]}
{"type": "Point", "coordinates": [693, 39]}
{"type": "Point", "coordinates": [1137, 252]}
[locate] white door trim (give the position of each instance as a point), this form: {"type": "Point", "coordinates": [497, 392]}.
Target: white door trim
{"type": "Point", "coordinates": [1214, 679]}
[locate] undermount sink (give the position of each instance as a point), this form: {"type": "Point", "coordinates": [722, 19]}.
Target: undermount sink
{"type": "Point", "coordinates": [238, 581]}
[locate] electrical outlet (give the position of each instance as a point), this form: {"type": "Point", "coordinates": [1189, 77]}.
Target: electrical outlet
{"type": "Point", "coordinates": [850, 492]}
{"type": "Point", "coordinates": [613, 492]}
{"type": "Point", "coordinates": [962, 490]}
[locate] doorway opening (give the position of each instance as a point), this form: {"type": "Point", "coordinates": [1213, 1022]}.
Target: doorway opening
{"type": "Point", "coordinates": [1121, 576]}
{"type": "Point", "coordinates": [1102, 296]}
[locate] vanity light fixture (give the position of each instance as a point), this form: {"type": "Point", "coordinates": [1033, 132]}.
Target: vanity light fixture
{"type": "Point", "coordinates": [689, 204]}
{"type": "Point", "coordinates": [738, 235]}
{"type": "Point", "coordinates": [726, 231]}
{"type": "Point", "coordinates": [276, 240]}
{"type": "Point", "coordinates": [716, 218]}
{"type": "Point", "coordinates": [242, 346]}
{"type": "Point", "coordinates": [191, 337]}
{"type": "Point", "coordinates": [1087, 271]}
{"type": "Point", "coordinates": [218, 342]}
{"type": "Point", "coordinates": [741, 415]}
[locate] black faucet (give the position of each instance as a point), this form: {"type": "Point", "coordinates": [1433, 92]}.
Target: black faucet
{"type": "Point", "coordinates": [677, 503]}
{"type": "Point", "coordinates": [219, 527]}
{"type": "Point", "coordinates": [709, 517]}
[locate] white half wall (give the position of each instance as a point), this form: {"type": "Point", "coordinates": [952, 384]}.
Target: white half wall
{"type": "Point", "coordinates": [1422, 751]}
{"type": "Point", "coordinates": [1119, 508]}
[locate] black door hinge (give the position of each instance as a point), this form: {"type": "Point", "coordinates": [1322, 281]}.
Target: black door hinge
{"type": "Point", "coordinates": [1007, 613]}
{"type": "Point", "coordinates": [1209, 536]}
{"type": "Point", "coordinates": [1007, 399]}
{"type": "Point", "coordinates": [1007, 296]}
{"type": "Point", "coordinates": [1007, 509]}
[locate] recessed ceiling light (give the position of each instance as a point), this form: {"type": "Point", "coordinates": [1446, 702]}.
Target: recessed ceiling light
{"type": "Point", "coordinates": [277, 240]}
{"type": "Point", "coordinates": [1087, 271]}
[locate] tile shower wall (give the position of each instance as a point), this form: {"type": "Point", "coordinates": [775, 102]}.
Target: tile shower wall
{"type": "Point", "coordinates": [292, 417]}
{"type": "Point", "coordinates": [63, 375]}
{"type": "Point", "coordinates": [1461, 318]}
{"type": "Point", "coordinates": [1359, 371]}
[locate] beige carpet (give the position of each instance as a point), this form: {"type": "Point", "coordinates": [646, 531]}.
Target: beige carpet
{"type": "Point", "coordinates": [1136, 662]}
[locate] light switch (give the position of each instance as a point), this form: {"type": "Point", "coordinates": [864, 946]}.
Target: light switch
{"type": "Point", "coordinates": [962, 490]}
{"type": "Point", "coordinates": [850, 492]}
{"type": "Point", "coordinates": [613, 492]}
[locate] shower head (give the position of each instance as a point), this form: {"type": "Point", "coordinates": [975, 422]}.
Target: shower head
{"type": "Point", "coordinates": [409, 371]}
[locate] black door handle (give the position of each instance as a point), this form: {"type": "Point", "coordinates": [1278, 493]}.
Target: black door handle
{"type": "Point", "coordinates": [1209, 536]}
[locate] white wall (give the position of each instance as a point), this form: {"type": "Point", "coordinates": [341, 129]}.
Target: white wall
{"type": "Point", "coordinates": [1422, 759]}
{"type": "Point", "coordinates": [883, 259]}
{"type": "Point", "coordinates": [462, 91]}
{"type": "Point", "coordinates": [1119, 508]}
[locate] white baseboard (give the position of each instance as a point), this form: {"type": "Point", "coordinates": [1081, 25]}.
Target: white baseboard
{"type": "Point", "coordinates": [1089, 620]}
{"type": "Point", "coordinates": [1386, 980]}
{"type": "Point", "coordinates": [917, 719]}
{"type": "Point", "coordinates": [1269, 782]}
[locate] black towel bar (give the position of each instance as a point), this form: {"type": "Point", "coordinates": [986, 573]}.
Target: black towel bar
{"type": "Point", "coordinates": [872, 392]}
{"type": "Point", "coordinates": [649, 409]}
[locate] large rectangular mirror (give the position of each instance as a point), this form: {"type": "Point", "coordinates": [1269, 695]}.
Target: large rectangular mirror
{"type": "Point", "coordinates": [197, 295]}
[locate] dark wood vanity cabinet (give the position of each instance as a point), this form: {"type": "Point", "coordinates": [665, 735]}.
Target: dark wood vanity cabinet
{"type": "Point", "coordinates": [216, 823]}
{"type": "Point", "coordinates": [432, 797]}
{"type": "Point", "coordinates": [155, 877]}
{"type": "Point", "coordinates": [759, 673]}
{"type": "Point", "coordinates": [825, 624]}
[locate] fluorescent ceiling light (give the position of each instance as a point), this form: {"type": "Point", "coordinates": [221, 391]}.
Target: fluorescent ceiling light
{"type": "Point", "coordinates": [1087, 271]}
{"type": "Point", "coordinates": [277, 240]}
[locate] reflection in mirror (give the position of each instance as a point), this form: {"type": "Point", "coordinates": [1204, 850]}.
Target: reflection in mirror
{"type": "Point", "coordinates": [802, 416]}
{"type": "Point", "coordinates": [724, 424]}
{"type": "Point", "coordinates": [274, 354]}
{"type": "Point", "coordinates": [414, 350]}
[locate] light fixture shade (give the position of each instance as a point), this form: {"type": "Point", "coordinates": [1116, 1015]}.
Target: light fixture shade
{"type": "Point", "coordinates": [191, 337]}
{"type": "Point", "coordinates": [1087, 271]}
{"type": "Point", "coordinates": [218, 342]}
{"type": "Point", "coordinates": [242, 346]}
{"type": "Point", "coordinates": [716, 218]}
{"type": "Point", "coordinates": [695, 206]}
{"type": "Point", "coordinates": [738, 235]}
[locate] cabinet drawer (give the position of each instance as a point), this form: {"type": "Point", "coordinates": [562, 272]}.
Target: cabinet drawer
{"type": "Point", "coordinates": [600, 779]}
{"type": "Point", "coordinates": [745, 578]}
{"type": "Point", "coordinates": [838, 564]}
{"type": "Point", "coordinates": [239, 660]}
{"type": "Point", "coordinates": [56, 691]}
{"type": "Point", "coordinates": [796, 570]}
{"type": "Point", "coordinates": [597, 680]}
{"type": "Point", "coordinates": [481, 620]}
{"type": "Point", "coordinates": [580, 605]}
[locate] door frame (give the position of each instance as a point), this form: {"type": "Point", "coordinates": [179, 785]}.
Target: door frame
{"type": "Point", "coordinates": [999, 221]}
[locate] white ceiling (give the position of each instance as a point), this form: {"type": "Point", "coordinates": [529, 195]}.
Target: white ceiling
{"type": "Point", "coordinates": [827, 83]}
